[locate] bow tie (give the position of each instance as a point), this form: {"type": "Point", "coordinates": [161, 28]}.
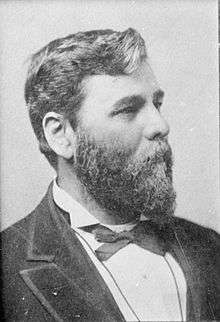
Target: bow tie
{"type": "Point", "coordinates": [146, 234]}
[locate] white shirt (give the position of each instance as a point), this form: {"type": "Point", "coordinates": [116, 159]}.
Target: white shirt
{"type": "Point", "coordinates": [143, 284]}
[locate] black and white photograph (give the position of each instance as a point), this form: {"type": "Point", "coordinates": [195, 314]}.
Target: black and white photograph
{"type": "Point", "coordinates": [110, 207]}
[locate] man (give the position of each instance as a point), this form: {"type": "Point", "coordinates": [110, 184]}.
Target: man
{"type": "Point", "coordinates": [103, 245]}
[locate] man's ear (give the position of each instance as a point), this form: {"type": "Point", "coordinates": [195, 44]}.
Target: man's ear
{"type": "Point", "coordinates": [59, 135]}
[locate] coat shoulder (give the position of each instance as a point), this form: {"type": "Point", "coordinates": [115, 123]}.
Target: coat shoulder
{"type": "Point", "coordinates": [15, 238]}
{"type": "Point", "coordinates": [197, 235]}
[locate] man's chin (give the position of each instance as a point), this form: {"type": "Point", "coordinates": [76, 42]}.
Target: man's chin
{"type": "Point", "coordinates": [157, 204]}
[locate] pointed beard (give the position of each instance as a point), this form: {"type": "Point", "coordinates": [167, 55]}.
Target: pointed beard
{"type": "Point", "coordinates": [121, 184]}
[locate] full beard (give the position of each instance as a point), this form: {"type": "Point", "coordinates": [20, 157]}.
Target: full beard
{"type": "Point", "coordinates": [123, 185]}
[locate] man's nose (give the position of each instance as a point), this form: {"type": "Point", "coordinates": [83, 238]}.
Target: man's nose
{"type": "Point", "coordinates": [156, 126]}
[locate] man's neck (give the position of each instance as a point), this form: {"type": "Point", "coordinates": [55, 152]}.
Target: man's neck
{"type": "Point", "coordinates": [68, 181]}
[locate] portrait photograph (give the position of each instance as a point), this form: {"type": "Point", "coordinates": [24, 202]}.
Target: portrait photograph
{"type": "Point", "coordinates": [110, 207]}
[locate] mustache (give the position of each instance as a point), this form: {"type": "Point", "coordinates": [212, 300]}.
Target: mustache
{"type": "Point", "coordinates": [157, 152]}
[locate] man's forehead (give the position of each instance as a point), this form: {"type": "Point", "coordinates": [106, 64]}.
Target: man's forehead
{"type": "Point", "coordinates": [142, 81]}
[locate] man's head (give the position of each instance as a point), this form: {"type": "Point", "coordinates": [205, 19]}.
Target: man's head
{"type": "Point", "coordinates": [56, 73]}
{"type": "Point", "coordinates": [95, 103]}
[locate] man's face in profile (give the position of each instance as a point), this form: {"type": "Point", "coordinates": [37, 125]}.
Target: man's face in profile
{"type": "Point", "coordinates": [122, 156]}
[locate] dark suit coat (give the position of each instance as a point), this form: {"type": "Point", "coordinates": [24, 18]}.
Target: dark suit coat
{"type": "Point", "coordinates": [48, 276]}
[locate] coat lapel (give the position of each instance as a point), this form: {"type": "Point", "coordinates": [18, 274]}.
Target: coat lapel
{"type": "Point", "coordinates": [63, 277]}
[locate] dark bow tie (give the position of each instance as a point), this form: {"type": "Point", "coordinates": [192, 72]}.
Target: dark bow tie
{"type": "Point", "coordinates": [146, 234]}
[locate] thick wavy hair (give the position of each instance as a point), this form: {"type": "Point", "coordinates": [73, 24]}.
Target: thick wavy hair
{"type": "Point", "coordinates": [56, 72]}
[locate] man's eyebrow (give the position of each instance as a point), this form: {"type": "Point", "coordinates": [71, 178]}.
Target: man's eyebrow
{"type": "Point", "coordinates": [159, 94]}
{"type": "Point", "coordinates": [136, 100]}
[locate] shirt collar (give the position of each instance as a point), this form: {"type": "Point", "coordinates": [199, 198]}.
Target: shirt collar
{"type": "Point", "coordinates": [79, 216]}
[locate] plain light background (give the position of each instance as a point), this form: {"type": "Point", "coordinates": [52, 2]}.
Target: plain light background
{"type": "Point", "coordinates": [181, 37]}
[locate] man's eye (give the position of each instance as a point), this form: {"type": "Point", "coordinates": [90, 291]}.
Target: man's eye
{"type": "Point", "coordinates": [126, 110]}
{"type": "Point", "coordinates": [129, 109]}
